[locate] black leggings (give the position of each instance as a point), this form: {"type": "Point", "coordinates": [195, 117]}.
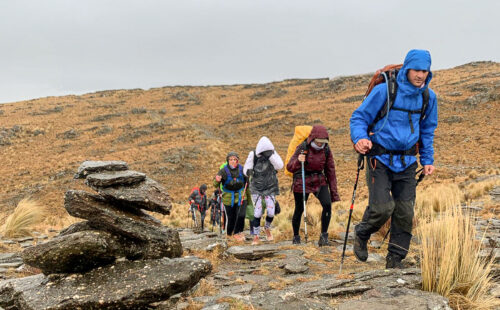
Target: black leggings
{"type": "Point", "coordinates": [326, 202]}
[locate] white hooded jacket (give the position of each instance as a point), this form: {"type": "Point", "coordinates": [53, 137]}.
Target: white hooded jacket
{"type": "Point", "coordinates": [263, 145]}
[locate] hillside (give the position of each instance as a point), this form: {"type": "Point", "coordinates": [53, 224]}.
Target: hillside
{"type": "Point", "coordinates": [180, 135]}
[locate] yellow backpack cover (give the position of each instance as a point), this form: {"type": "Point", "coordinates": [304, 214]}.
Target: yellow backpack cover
{"type": "Point", "coordinates": [301, 133]}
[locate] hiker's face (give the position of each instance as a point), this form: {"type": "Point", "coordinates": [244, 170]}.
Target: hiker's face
{"type": "Point", "coordinates": [320, 144]}
{"type": "Point", "coordinates": [417, 77]}
{"type": "Point", "coordinates": [233, 161]}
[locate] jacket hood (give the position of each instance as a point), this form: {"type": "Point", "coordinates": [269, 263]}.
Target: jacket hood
{"type": "Point", "coordinates": [416, 60]}
{"type": "Point", "coordinates": [318, 131]}
{"type": "Point", "coordinates": [263, 145]}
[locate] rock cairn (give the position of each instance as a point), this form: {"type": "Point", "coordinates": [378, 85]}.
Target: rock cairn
{"type": "Point", "coordinates": [116, 225]}
{"type": "Point", "coordinates": [118, 258]}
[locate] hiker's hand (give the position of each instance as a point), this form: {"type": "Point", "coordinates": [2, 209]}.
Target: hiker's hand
{"type": "Point", "coordinates": [218, 178]}
{"type": "Point", "coordinates": [363, 146]}
{"type": "Point", "coordinates": [302, 158]}
{"type": "Point", "coordinates": [428, 169]}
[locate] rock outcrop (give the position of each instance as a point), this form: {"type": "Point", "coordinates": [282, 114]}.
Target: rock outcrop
{"type": "Point", "coordinates": [118, 258]}
{"type": "Point", "coordinates": [124, 285]}
{"type": "Point", "coordinates": [115, 227]}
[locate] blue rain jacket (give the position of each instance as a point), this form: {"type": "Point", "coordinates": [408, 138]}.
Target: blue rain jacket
{"type": "Point", "coordinates": [393, 132]}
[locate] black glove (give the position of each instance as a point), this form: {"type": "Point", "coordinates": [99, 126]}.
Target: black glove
{"type": "Point", "coordinates": [250, 173]}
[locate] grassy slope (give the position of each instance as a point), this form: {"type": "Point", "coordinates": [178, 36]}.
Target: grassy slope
{"type": "Point", "coordinates": [180, 135]}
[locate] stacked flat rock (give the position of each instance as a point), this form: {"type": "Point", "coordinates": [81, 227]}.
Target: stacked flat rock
{"type": "Point", "coordinates": [116, 225]}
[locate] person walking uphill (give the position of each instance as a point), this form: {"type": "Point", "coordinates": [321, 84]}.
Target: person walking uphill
{"type": "Point", "coordinates": [320, 179]}
{"type": "Point", "coordinates": [234, 188]}
{"type": "Point", "coordinates": [390, 145]}
{"type": "Point", "coordinates": [261, 167]}
{"type": "Point", "coordinates": [198, 203]}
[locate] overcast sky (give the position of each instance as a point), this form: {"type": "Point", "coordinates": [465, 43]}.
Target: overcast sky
{"type": "Point", "coordinates": [58, 47]}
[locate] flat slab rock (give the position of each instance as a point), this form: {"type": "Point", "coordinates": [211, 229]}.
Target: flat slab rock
{"type": "Point", "coordinates": [128, 223]}
{"type": "Point", "coordinates": [148, 195]}
{"type": "Point", "coordinates": [89, 167]}
{"type": "Point", "coordinates": [124, 285]}
{"type": "Point", "coordinates": [252, 252]}
{"type": "Point", "coordinates": [114, 178]}
{"type": "Point", "coordinates": [397, 299]}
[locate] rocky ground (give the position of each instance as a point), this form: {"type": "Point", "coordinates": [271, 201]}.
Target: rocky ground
{"type": "Point", "coordinates": [107, 262]}
{"type": "Point", "coordinates": [275, 275]}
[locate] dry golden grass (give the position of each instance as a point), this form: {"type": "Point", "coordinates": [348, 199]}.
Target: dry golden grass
{"type": "Point", "coordinates": [450, 261]}
{"type": "Point", "coordinates": [280, 283]}
{"type": "Point", "coordinates": [206, 288]}
{"type": "Point", "coordinates": [476, 190]}
{"type": "Point", "coordinates": [235, 304]}
{"type": "Point", "coordinates": [27, 213]}
{"type": "Point", "coordinates": [214, 256]}
{"type": "Point", "coordinates": [437, 198]}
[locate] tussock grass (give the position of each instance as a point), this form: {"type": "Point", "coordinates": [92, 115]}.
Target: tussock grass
{"type": "Point", "coordinates": [476, 190]}
{"type": "Point", "coordinates": [450, 261]}
{"type": "Point", "coordinates": [437, 199]}
{"type": "Point", "coordinates": [472, 174]}
{"type": "Point", "coordinates": [27, 213]}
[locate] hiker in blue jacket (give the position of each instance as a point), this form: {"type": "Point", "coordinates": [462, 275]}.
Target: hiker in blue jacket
{"type": "Point", "coordinates": [390, 145]}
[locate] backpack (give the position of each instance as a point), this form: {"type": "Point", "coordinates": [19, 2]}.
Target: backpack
{"type": "Point", "coordinates": [301, 133]}
{"type": "Point", "coordinates": [265, 180]}
{"type": "Point", "coordinates": [299, 138]}
{"type": "Point", "coordinates": [388, 75]}
{"type": "Point", "coordinates": [199, 193]}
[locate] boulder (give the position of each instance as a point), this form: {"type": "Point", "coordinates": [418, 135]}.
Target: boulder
{"type": "Point", "coordinates": [157, 240]}
{"type": "Point", "coordinates": [124, 285]}
{"type": "Point", "coordinates": [114, 178]}
{"type": "Point", "coordinates": [77, 252]}
{"type": "Point", "coordinates": [148, 195]}
{"type": "Point", "coordinates": [89, 167]}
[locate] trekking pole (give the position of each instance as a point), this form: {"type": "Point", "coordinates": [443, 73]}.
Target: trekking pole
{"type": "Point", "coordinates": [361, 164]}
{"type": "Point", "coordinates": [212, 217]}
{"type": "Point", "coordinates": [304, 196]}
{"type": "Point", "coordinates": [420, 178]}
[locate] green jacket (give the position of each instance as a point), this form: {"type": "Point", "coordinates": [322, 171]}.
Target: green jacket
{"type": "Point", "coordinates": [226, 196]}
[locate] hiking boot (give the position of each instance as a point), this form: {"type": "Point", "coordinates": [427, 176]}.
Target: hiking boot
{"type": "Point", "coordinates": [296, 239]}
{"type": "Point", "coordinates": [269, 236]}
{"type": "Point", "coordinates": [360, 248]}
{"type": "Point", "coordinates": [323, 239]}
{"type": "Point", "coordinates": [393, 261]}
{"type": "Point", "coordinates": [256, 240]}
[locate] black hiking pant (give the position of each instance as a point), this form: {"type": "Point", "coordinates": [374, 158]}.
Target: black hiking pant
{"type": "Point", "coordinates": [326, 202]}
{"type": "Point", "coordinates": [392, 195]}
{"type": "Point", "coordinates": [235, 218]}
